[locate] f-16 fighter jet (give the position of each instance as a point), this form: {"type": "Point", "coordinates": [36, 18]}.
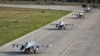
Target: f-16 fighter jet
{"type": "Point", "coordinates": [31, 46]}
{"type": "Point", "coordinates": [61, 25]}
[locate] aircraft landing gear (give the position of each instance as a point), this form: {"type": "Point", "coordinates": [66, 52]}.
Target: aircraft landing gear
{"type": "Point", "coordinates": [27, 51]}
{"type": "Point", "coordinates": [34, 51]}
{"type": "Point", "coordinates": [61, 27]}
{"type": "Point", "coordinates": [64, 28]}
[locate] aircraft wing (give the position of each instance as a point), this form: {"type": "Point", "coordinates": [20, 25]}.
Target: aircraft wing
{"type": "Point", "coordinates": [55, 25]}
{"type": "Point", "coordinates": [69, 24]}
{"type": "Point", "coordinates": [75, 14]}
{"type": "Point", "coordinates": [42, 46]}
{"type": "Point", "coordinates": [16, 45]}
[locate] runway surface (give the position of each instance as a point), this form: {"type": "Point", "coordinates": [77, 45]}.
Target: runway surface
{"type": "Point", "coordinates": [82, 39]}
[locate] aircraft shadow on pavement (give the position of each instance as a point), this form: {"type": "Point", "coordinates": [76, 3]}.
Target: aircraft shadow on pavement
{"type": "Point", "coordinates": [13, 53]}
{"type": "Point", "coordinates": [77, 18]}
{"type": "Point", "coordinates": [55, 29]}
{"type": "Point", "coordinates": [19, 53]}
{"type": "Point", "coordinates": [72, 17]}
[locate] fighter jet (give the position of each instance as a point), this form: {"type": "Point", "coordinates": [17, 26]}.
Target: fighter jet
{"type": "Point", "coordinates": [61, 25]}
{"type": "Point", "coordinates": [87, 9]}
{"type": "Point", "coordinates": [31, 46]}
{"type": "Point", "coordinates": [80, 15]}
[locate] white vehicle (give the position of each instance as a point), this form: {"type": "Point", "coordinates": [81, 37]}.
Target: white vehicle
{"type": "Point", "coordinates": [31, 46]}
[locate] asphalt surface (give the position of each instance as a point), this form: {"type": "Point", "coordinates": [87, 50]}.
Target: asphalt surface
{"type": "Point", "coordinates": [82, 39]}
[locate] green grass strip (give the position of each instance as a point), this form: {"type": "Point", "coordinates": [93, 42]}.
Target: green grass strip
{"type": "Point", "coordinates": [16, 22]}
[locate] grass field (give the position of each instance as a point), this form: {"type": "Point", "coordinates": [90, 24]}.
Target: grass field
{"type": "Point", "coordinates": [15, 22]}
